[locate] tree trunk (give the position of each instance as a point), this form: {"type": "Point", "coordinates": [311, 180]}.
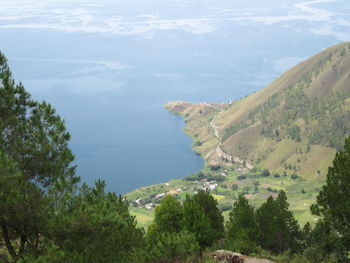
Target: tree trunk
{"type": "Point", "coordinates": [7, 240]}
{"type": "Point", "coordinates": [21, 248]}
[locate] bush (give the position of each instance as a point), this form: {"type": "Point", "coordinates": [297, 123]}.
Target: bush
{"type": "Point", "coordinates": [294, 176]}
{"type": "Point", "coordinates": [265, 173]}
{"type": "Point", "coordinates": [241, 177]}
{"type": "Point", "coordinates": [214, 167]}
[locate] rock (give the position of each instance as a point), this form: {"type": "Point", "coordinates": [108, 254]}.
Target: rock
{"type": "Point", "coordinates": [224, 256]}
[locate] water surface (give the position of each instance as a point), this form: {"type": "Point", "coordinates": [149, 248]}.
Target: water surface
{"type": "Point", "coordinates": [109, 66]}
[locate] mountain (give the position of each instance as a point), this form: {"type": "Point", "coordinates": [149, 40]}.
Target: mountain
{"type": "Point", "coordinates": [295, 125]}
{"type": "Point", "coordinates": [282, 137]}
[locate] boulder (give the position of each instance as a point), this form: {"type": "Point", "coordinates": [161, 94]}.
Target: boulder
{"type": "Point", "coordinates": [224, 256]}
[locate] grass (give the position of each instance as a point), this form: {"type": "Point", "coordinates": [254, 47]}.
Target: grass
{"type": "Point", "coordinates": [218, 197]}
{"type": "Point", "coordinates": [144, 217]}
{"type": "Point", "coordinates": [301, 193]}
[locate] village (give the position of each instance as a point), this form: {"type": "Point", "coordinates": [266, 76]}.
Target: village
{"type": "Point", "coordinates": [209, 183]}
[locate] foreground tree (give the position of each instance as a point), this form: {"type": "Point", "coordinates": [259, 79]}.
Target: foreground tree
{"type": "Point", "coordinates": [23, 209]}
{"type": "Point", "coordinates": [203, 218]}
{"type": "Point", "coordinates": [197, 222]}
{"type": "Point", "coordinates": [241, 228]}
{"type": "Point", "coordinates": [323, 244]}
{"type": "Point", "coordinates": [168, 216]}
{"type": "Point", "coordinates": [279, 230]}
{"type": "Point", "coordinates": [167, 240]}
{"type": "Point", "coordinates": [32, 134]}
{"type": "Point", "coordinates": [210, 206]}
{"type": "Point", "coordinates": [34, 157]}
{"type": "Point", "coordinates": [95, 226]}
{"type": "Point", "coordinates": [333, 201]}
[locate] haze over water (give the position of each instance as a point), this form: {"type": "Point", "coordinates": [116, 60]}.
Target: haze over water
{"type": "Point", "coordinates": [109, 66]}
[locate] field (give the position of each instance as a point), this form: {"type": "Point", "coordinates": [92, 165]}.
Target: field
{"type": "Point", "coordinates": [226, 184]}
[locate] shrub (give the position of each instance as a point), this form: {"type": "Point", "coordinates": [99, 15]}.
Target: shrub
{"type": "Point", "coordinates": [241, 177]}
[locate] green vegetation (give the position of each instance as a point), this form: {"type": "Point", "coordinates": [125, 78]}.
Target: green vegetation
{"type": "Point", "coordinates": [242, 228]}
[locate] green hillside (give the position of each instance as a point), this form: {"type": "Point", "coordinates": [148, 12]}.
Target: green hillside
{"type": "Point", "coordinates": [294, 125]}
{"type": "Point", "coordinates": [292, 128]}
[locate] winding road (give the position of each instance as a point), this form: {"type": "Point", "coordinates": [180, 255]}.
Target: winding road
{"type": "Point", "coordinates": [219, 150]}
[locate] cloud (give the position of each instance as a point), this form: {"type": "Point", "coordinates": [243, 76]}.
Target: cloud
{"type": "Point", "coordinates": [106, 64]}
{"type": "Point", "coordinates": [320, 21]}
{"type": "Point", "coordinates": [307, 12]}
{"type": "Point", "coordinates": [329, 30]}
{"type": "Point", "coordinates": [119, 17]}
{"type": "Point", "coordinates": [46, 15]}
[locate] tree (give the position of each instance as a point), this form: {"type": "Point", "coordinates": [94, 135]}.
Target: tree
{"type": "Point", "coordinates": [210, 206]}
{"type": "Point", "coordinates": [168, 215]}
{"type": "Point", "coordinates": [35, 156]}
{"type": "Point", "coordinates": [279, 230]}
{"type": "Point", "coordinates": [23, 209]}
{"type": "Point", "coordinates": [95, 226]}
{"type": "Point", "coordinates": [294, 132]}
{"type": "Point", "coordinates": [170, 247]}
{"type": "Point", "coordinates": [197, 222]}
{"type": "Point", "coordinates": [333, 201]}
{"type": "Point", "coordinates": [323, 242]}
{"type": "Point", "coordinates": [32, 134]}
{"type": "Point", "coordinates": [241, 228]}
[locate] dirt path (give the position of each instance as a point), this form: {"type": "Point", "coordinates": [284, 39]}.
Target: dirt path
{"type": "Point", "coordinates": [215, 128]}
{"type": "Point", "coordinates": [256, 260]}
{"type": "Point", "coordinates": [219, 150]}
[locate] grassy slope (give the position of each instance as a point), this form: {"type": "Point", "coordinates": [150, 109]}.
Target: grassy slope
{"type": "Point", "coordinates": [324, 72]}
{"type": "Point", "coordinates": [334, 76]}
{"type": "Point", "coordinates": [249, 144]}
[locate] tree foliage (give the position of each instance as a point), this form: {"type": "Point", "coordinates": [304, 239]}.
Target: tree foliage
{"type": "Point", "coordinates": [168, 215]}
{"type": "Point", "coordinates": [34, 156]}
{"type": "Point", "coordinates": [279, 230]}
{"type": "Point", "coordinates": [197, 222]}
{"type": "Point", "coordinates": [241, 228]}
{"type": "Point", "coordinates": [333, 201]}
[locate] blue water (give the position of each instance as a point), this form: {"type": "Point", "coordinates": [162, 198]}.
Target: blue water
{"type": "Point", "coordinates": [109, 67]}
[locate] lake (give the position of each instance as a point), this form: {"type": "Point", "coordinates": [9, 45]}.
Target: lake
{"type": "Point", "coordinates": [109, 66]}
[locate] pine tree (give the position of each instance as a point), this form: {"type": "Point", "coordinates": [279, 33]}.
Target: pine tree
{"type": "Point", "coordinates": [167, 218]}
{"type": "Point", "coordinates": [210, 206]}
{"type": "Point", "coordinates": [95, 226]}
{"type": "Point", "coordinates": [333, 201]}
{"type": "Point", "coordinates": [279, 230]}
{"type": "Point", "coordinates": [241, 228]}
{"type": "Point", "coordinates": [34, 143]}
{"type": "Point", "coordinates": [197, 222]}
